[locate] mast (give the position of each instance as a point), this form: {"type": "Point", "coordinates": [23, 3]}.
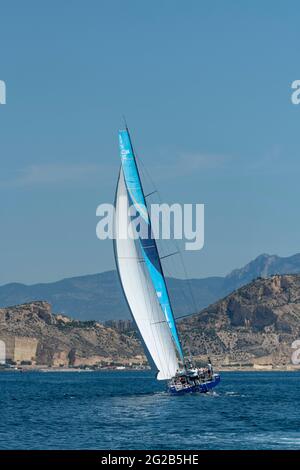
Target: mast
{"type": "Point", "coordinates": [163, 296]}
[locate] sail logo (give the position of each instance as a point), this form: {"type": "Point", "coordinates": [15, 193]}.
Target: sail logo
{"type": "Point", "coordinates": [168, 222]}
{"type": "Point", "coordinates": [296, 354]}
{"type": "Point", "coordinates": [295, 97]}
{"type": "Point", "coordinates": [2, 92]}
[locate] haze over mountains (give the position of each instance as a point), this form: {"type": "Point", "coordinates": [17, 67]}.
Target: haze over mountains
{"type": "Point", "coordinates": [99, 296]}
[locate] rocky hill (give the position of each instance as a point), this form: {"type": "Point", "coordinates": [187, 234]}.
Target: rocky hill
{"type": "Point", "coordinates": [254, 325]}
{"type": "Point", "coordinates": [99, 296]}
{"type": "Point", "coordinates": [32, 333]}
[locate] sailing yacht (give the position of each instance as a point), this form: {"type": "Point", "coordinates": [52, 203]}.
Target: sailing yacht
{"type": "Point", "coordinates": [142, 279]}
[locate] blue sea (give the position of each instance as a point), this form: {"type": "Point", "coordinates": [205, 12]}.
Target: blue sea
{"type": "Point", "coordinates": [131, 410]}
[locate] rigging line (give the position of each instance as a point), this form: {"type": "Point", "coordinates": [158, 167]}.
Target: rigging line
{"type": "Point", "coordinates": [140, 160]}
{"type": "Point", "coordinates": [189, 283]}
{"type": "Point", "coordinates": [124, 120]}
{"type": "Point", "coordinates": [157, 322]}
{"type": "Point", "coordinates": [186, 315]}
{"type": "Point", "coordinates": [149, 194]}
{"type": "Point", "coordinates": [191, 297]}
{"type": "Point", "coordinates": [155, 190]}
{"type": "Point", "coordinates": [166, 286]}
{"type": "Point", "coordinates": [191, 293]}
{"type": "Point", "coordinates": [171, 254]}
{"type": "Point", "coordinates": [147, 176]}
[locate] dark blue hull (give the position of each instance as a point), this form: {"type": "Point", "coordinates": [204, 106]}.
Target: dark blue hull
{"type": "Point", "coordinates": [201, 388]}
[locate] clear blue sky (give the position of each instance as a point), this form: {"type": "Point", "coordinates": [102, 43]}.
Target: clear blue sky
{"type": "Point", "coordinates": [205, 87]}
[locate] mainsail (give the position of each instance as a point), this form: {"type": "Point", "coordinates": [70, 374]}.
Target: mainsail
{"type": "Point", "coordinates": [141, 272]}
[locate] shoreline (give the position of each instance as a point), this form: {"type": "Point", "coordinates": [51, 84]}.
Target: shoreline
{"type": "Point", "coordinates": [45, 369]}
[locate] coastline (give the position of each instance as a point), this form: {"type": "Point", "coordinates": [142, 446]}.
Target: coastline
{"type": "Point", "coordinates": [45, 369]}
{"type": "Point", "coordinates": [259, 369]}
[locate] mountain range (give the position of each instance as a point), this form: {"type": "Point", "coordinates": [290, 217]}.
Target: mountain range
{"type": "Point", "coordinates": [99, 296]}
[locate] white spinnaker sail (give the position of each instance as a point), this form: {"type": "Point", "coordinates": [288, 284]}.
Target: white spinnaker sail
{"type": "Point", "coordinates": [139, 292]}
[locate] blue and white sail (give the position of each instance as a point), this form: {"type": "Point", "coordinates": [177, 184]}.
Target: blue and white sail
{"type": "Point", "coordinates": [141, 272]}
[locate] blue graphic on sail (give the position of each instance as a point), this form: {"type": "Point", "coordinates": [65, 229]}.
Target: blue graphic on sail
{"type": "Point", "coordinates": [148, 244]}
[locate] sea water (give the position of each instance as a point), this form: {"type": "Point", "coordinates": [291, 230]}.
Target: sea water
{"type": "Point", "coordinates": [131, 410]}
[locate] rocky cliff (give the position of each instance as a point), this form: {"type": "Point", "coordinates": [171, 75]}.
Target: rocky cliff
{"type": "Point", "coordinates": [32, 332]}
{"type": "Point", "coordinates": [256, 324]}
